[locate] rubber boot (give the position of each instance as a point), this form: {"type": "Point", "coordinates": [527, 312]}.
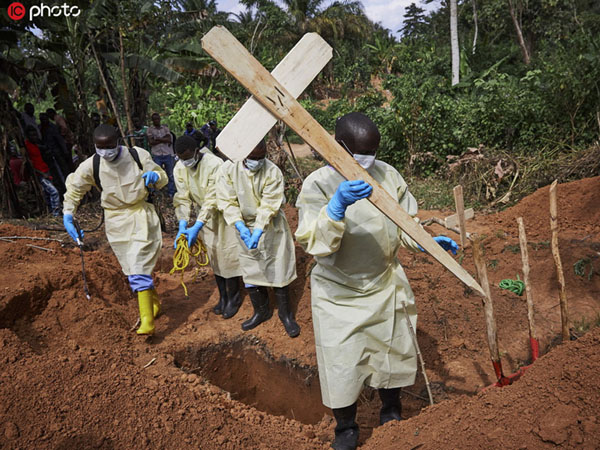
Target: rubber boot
{"type": "Point", "coordinates": [155, 303]}
{"type": "Point", "coordinates": [346, 428]}
{"type": "Point", "coordinates": [260, 301]}
{"type": "Point", "coordinates": [391, 408]}
{"type": "Point", "coordinates": [285, 313]}
{"type": "Point", "coordinates": [146, 312]}
{"type": "Point", "coordinates": [234, 300]}
{"type": "Point", "coordinates": [220, 306]}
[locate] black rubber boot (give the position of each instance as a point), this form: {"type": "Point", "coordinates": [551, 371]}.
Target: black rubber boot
{"type": "Point", "coordinates": [220, 306]}
{"type": "Point", "coordinates": [285, 313]}
{"type": "Point", "coordinates": [346, 428]}
{"type": "Point", "coordinates": [391, 408]}
{"type": "Point", "coordinates": [234, 300]}
{"type": "Point", "coordinates": [260, 301]}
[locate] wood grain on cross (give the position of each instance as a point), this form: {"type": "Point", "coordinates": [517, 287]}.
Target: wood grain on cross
{"type": "Point", "coordinates": [233, 56]}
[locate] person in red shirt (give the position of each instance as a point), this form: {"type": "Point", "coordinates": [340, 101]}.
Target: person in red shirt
{"type": "Point", "coordinates": [42, 171]}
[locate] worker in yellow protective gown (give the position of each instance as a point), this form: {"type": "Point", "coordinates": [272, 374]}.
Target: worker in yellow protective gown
{"type": "Point", "coordinates": [195, 175]}
{"type": "Point", "coordinates": [131, 223]}
{"type": "Point", "coordinates": [357, 286]}
{"type": "Point", "coordinates": [250, 194]}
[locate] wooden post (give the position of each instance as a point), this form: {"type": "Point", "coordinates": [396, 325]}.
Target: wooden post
{"type": "Point", "coordinates": [460, 212]}
{"type": "Point", "coordinates": [525, 258]}
{"type": "Point", "coordinates": [562, 293]}
{"type": "Point", "coordinates": [488, 308]}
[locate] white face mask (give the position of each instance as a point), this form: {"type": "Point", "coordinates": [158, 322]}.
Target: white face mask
{"type": "Point", "coordinates": [108, 153]}
{"type": "Point", "coordinates": [365, 161]}
{"type": "Point", "coordinates": [191, 162]}
{"type": "Point", "coordinates": [254, 164]}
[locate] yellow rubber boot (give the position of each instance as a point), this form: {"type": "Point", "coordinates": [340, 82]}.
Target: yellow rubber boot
{"type": "Point", "coordinates": [155, 303]}
{"type": "Point", "coordinates": [146, 312]}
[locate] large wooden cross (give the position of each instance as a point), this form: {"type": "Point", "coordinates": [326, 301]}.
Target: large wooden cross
{"type": "Point", "coordinates": [277, 99]}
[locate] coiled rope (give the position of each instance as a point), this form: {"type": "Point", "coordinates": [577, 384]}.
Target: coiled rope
{"type": "Point", "coordinates": [183, 254]}
{"type": "Point", "coordinates": [514, 286]}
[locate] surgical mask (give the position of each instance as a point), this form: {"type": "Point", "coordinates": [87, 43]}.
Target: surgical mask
{"type": "Point", "coordinates": [191, 162]}
{"type": "Point", "coordinates": [365, 161]}
{"type": "Point", "coordinates": [255, 164]}
{"type": "Point", "coordinates": [108, 153]}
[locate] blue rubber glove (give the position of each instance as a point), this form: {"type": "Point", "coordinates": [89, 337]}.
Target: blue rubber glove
{"type": "Point", "coordinates": [244, 232]}
{"type": "Point", "coordinates": [182, 228]}
{"type": "Point", "coordinates": [192, 232]}
{"type": "Point", "coordinates": [150, 177]}
{"type": "Point", "coordinates": [70, 227]}
{"type": "Point", "coordinates": [346, 194]}
{"type": "Point", "coordinates": [447, 243]}
{"type": "Point", "coordinates": [256, 234]}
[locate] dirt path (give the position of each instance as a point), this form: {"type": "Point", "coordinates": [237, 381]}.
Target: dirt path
{"type": "Point", "coordinates": [72, 373]}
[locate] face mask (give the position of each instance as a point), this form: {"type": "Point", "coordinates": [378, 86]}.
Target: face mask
{"type": "Point", "coordinates": [191, 162]}
{"type": "Point", "coordinates": [365, 161]}
{"type": "Point", "coordinates": [254, 164]}
{"type": "Point", "coordinates": [108, 153]}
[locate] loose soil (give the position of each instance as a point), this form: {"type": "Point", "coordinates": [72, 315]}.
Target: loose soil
{"type": "Point", "coordinates": [74, 375]}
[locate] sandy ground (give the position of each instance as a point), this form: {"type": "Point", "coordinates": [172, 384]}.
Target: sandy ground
{"type": "Point", "coordinates": [74, 375]}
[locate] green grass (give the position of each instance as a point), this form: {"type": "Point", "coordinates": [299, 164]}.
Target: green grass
{"type": "Point", "coordinates": [432, 193]}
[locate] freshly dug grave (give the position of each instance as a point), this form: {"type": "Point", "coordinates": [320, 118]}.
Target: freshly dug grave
{"type": "Point", "coordinates": [72, 372]}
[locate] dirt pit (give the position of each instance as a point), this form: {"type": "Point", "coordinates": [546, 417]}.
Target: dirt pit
{"type": "Point", "coordinates": [74, 375]}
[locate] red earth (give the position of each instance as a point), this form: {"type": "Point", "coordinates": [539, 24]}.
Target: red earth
{"type": "Point", "coordinates": [73, 374]}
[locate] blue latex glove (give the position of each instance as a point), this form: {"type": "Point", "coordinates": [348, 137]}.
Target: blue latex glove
{"type": "Point", "coordinates": [150, 177]}
{"type": "Point", "coordinates": [192, 232]}
{"type": "Point", "coordinates": [256, 234]}
{"type": "Point", "coordinates": [346, 194]}
{"type": "Point", "coordinates": [447, 243]}
{"type": "Point", "coordinates": [244, 232]}
{"type": "Point", "coordinates": [70, 227]}
{"type": "Point", "coordinates": [182, 228]}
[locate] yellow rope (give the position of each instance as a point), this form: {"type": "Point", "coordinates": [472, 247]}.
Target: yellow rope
{"type": "Point", "coordinates": [182, 255]}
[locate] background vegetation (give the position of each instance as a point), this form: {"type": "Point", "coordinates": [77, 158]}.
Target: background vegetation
{"type": "Point", "coordinates": [529, 109]}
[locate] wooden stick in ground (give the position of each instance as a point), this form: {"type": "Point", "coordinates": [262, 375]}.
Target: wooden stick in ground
{"type": "Point", "coordinates": [460, 211]}
{"type": "Point", "coordinates": [528, 293]}
{"type": "Point", "coordinates": [562, 293]}
{"type": "Point", "coordinates": [488, 307]}
{"type": "Point", "coordinates": [413, 335]}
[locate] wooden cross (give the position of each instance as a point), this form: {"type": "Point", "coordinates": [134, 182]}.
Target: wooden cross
{"type": "Point", "coordinates": [233, 56]}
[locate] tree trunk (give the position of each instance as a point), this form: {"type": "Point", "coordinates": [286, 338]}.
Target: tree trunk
{"type": "Point", "coordinates": [454, 42]}
{"type": "Point", "coordinates": [475, 24]}
{"type": "Point", "coordinates": [125, 88]}
{"type": "Point", "coordinates": [513, 15]}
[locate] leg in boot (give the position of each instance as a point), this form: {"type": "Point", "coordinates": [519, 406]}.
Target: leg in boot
{"type": "Point", "coordinates": [346, 428]}
{"type": "Point", "coordinates": [391, 407]}
{"type": "Point", "coordinates": [285, 312]}
{"type": "Point", "coordinates": [260, 301]}
{"type": "Point", "coordinates": [220, 306]}
{"type": "Point", "coordinates": [155, 303]}
{"type": "Point", "coordinates": [234, 300]}
{"type": "Point", "coordinates": [146, 312]}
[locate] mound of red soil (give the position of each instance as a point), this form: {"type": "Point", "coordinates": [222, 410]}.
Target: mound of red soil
{"type": "Point", "coordinates": [73, 374]}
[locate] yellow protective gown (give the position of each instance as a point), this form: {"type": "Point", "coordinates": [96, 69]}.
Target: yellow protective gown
{"type": "Point", "coordinates": [257, 199]}
{"type": "Point", "coordinates": [131, 223]}
{"type": "Point", "coordinates": [357, 287]}
{"type": "Point", "coordinates": [197, 185]}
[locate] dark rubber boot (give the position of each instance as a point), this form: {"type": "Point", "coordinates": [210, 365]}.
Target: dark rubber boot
{"type": "Point", "coordinates": [234, 300]}
{"type": "Point", "coordinates": [285, 313]}
{"type": "Point", "coordinates": [220, 306]}
{"type": "Point", "coordinates": [260, 301]}
{"type": "Point", "coordinates": [391, 408]}
{"type": "Point", "coordinates": [346, 428]}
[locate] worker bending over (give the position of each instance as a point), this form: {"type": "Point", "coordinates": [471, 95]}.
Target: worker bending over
{"type": "Point", "coordinates": [131, 223]}
{"type": "Point", "coordinates": [250, 194]}
{"type": "Point", "coordinates": [195, 175]}
{"type": "Point", "coordinates": [358, 284]}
